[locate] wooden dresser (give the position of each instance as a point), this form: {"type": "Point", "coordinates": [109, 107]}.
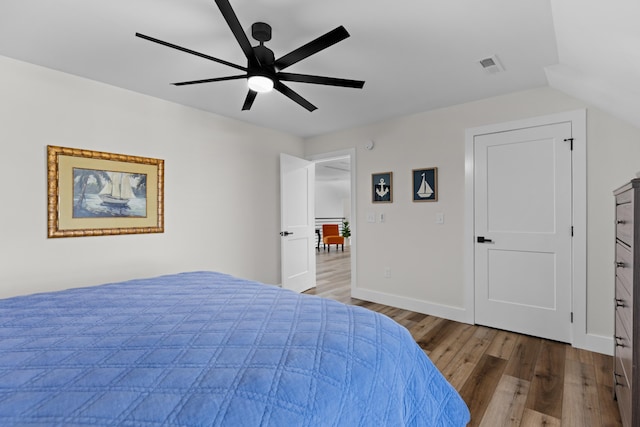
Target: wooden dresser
{"type": "Point", "coordinates": [627, 313]}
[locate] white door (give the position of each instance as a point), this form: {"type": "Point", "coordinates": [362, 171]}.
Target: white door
{"type": "Point", "coordinates": [297, 219]}
{"type": "Point", "coordinates": [523, 231]}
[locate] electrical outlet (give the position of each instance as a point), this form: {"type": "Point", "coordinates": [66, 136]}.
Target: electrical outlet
{"type": "Point", "coordinates": [439, 218]}
{"type": "Point", "coordinates": [387, 272]}
{"type": "Point", "coordinates": [371, 217]}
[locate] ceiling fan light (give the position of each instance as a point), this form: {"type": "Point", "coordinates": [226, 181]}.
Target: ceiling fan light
{"type": "Point", "coordinates": [260, 84]}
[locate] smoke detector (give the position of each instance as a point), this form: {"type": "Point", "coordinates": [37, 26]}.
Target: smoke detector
{"type": "Point", "coordinates": [491, 65]}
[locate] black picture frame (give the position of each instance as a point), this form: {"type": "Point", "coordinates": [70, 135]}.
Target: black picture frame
{"type": "Point", "coordinates": [382, 187]}
{"type": "Point", "coordinates": [425, 185]}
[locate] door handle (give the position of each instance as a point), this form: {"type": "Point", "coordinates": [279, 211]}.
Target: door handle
{"type": "Point", "coordinates": [481, 239]}
{"type": "Point", "coordinates": [285, 233]}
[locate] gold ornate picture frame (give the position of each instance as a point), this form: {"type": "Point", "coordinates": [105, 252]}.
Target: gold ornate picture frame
{"type": "Point", "coordinates": [93, 193]}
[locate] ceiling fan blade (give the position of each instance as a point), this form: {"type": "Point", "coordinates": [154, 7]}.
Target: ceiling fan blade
{"type": "Point", "coordinates": [216, 79]}
{"type": "Point", "coordinates": [320, 80]}
{"type": "Point", "coordinates": [236, 28]}
{"type": "Point", "coordinates": [248, 102]}
{"type": "Point", "coordinates": [193, 52]}
{"type": "Point", "coordinates": [314, 46]}
{"type": "Point", "coordinates": [291, 94]}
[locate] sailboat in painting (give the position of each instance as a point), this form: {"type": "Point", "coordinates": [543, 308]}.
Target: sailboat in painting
{"type": "Point", "coordinates": [118, 191]}
{"type": "Point", "coordinates": [425, 191]}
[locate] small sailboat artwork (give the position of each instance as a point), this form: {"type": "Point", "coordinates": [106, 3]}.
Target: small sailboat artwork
{"type": "Point", "coordinates": [118, 191]}
{"type": "Point", "coordinates": [425, 185]}
{"type": "Point", "coordinates": [425, 191]}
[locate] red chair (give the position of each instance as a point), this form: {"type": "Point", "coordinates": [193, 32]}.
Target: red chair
{"type": "Point", "coordinates": [331, 236]}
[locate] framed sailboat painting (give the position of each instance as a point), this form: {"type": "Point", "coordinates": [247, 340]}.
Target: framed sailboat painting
{"type": "Point", "coordinates": [93, 193]}
{"type": "Point", "coordinates": [425, 185]}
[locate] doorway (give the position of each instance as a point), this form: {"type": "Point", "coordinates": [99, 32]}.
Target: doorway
{"type": "Point", "coordinates": [335, 202]}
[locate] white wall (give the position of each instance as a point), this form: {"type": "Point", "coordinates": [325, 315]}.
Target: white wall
{"type": "Point", "coordinates": [426, 259]}
{"type": "Point", "coordinates": [214, 219]}
{"type": "Point", "coordinates": [213, 222]}
{"type": "Point", "coordinates": [332, 197]}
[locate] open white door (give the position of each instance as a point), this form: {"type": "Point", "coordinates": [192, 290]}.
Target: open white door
{"type": "Point", "coordinates": [297, 222]}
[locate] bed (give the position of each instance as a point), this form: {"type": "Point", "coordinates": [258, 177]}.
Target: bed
{"type": "Point", "coordinates": [205, 348]}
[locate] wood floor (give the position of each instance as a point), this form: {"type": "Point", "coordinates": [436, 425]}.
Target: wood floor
{"type": "Point", "coordinates": [507, 379]}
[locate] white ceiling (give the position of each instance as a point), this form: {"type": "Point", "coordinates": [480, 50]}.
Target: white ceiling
{"type": "Point", "coordinates": [333, 169]}
{"type": "Point", "coordinates": [415, 55]}
{"type": "Point", "coordinates": [599, 54]}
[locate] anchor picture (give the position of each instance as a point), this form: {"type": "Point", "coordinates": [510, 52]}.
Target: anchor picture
{"type": "Point", "coordinates": [382, 187]}
{"type": "Point", "coordinates": [425, 185]}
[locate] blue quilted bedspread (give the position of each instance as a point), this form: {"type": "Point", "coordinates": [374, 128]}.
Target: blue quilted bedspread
{"type": "Point", "coordinates": [201, 349]}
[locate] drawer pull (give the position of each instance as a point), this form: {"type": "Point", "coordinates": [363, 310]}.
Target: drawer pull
{"type": "Point", "coordinates": [620, 302]}
{"type": "Point", "coordinates": [619, 344]}
{"type": "Point", "coordinates": [615, 379]}
{"type": "Point", "coordinates": [620, 264]}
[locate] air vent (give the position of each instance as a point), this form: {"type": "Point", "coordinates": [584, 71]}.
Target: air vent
{"type": "Point", "coordinates": [488, 62]}
{"type": "Point", "coordinates": [491, 65]}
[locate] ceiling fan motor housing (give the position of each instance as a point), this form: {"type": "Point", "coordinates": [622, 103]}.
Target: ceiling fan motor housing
{"type": "Point", "coordinates": [265, 56]}
{"type": "Point", "coordinates": [262, 32]}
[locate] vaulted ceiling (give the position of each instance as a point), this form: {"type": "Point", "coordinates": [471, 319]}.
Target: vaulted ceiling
{"type": "Point", "coordinates": [599, 54]}
{"type": "Point", "coordinates": [415, 55]}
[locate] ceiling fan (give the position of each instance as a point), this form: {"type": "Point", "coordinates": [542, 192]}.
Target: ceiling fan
{"type": "Point", "coordinates": [263, 70]}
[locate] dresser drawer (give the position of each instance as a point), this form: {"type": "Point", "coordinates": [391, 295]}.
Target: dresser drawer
{"type": "Point", "coordinates": [624, 223]}
{"type": "Point", "coordinates": [623, 305]}
{"type": "Point", "coordinates": [623, 393]}
{"type": "Point", "coordinates": [624, 265]}
{"type": "Point", "coordinates": [623, 346]}
{"type": "Point", "coordinates": [624, 197]}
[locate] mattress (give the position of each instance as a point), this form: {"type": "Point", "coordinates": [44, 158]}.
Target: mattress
{"type": "Point", "coordinates": [205, 348]}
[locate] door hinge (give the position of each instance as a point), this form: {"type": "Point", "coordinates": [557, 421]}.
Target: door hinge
{"type": "Point", "coordinates": [572, 317]}
{"type": "Point", "coordinates": [570, 140]}
{"type": "Point", "coordinates": [572, 231]}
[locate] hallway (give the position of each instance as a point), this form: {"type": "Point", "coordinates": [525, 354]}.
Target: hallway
{"type": "Point", "coordinates": [333, 275]}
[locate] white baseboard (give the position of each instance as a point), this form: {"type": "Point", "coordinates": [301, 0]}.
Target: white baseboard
{"type": "Point", "coordinates": [596, 343]}
{"type": "Point", "coordinates": [446, 312]}
{"type": "Point", "coordinates": [590, 342]}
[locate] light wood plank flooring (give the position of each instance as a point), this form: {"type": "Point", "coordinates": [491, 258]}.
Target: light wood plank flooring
{"type": "Point", "coordinates": [507, 379]}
